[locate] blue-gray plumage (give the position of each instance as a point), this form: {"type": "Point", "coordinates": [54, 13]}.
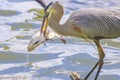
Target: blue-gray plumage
{"type": "Point", "coordinates": [97, 23]}
{"type": "Point", "coordinates": [89, 23]}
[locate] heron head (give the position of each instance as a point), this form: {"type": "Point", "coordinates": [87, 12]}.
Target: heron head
{"type": "Point", "coordinates": [52, 9]}
{"type": "Point", "coordinates": [36, 40]}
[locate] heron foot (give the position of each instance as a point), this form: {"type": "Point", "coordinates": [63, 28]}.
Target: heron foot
{"type": "Point", "coordinates": [75, 76]}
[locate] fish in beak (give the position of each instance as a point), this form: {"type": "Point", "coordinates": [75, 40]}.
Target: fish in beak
{"type": "Point", "coordinates": [35, 41]}
{"type": "Point", "coordinates": [38, 39]}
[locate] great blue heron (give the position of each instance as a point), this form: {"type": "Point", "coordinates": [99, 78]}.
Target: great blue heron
{"type": "Point", "coordinates": [89, 23]}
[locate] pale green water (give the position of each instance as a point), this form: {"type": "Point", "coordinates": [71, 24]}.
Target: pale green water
{"type": "Point", "coordinates": [56, 60]}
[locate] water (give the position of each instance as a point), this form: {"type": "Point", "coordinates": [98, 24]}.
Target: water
{"type": "Point", "coordinates": [55, 61]}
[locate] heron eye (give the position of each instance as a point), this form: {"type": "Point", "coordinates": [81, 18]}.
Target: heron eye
{"type": "Point", "coordinates": [36, 42]}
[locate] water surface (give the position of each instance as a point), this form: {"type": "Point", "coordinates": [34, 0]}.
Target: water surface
{"type": "Point", "coordinates": [55, 61]}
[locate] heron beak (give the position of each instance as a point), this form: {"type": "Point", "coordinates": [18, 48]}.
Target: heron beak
{"type": "Point", "coordinates": [45, 22]}
{"type": "Point", "coordinates": [44, 25]}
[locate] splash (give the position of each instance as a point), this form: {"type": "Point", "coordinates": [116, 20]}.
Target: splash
{"type": "Point", "coordinates": [27, 63]}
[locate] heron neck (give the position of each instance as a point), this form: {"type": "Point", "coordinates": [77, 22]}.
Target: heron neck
{"type": "Point", "coordinates": [61, 29]}
{"type": "Point", "coordinates": [57, 27]}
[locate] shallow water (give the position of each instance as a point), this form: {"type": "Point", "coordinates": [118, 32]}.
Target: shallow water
{"type": "Point", "coordinates": [55, 61]}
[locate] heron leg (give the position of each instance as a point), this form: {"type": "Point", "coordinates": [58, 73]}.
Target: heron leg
{"type": "Point", "coordinates": [92, 70]}
{"type": "Point", "coordinates": [101, 55]}
{"type": "Point", "coordinates": [100, 62]}
{"type": "Point", "coordinates": [99, 68]}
